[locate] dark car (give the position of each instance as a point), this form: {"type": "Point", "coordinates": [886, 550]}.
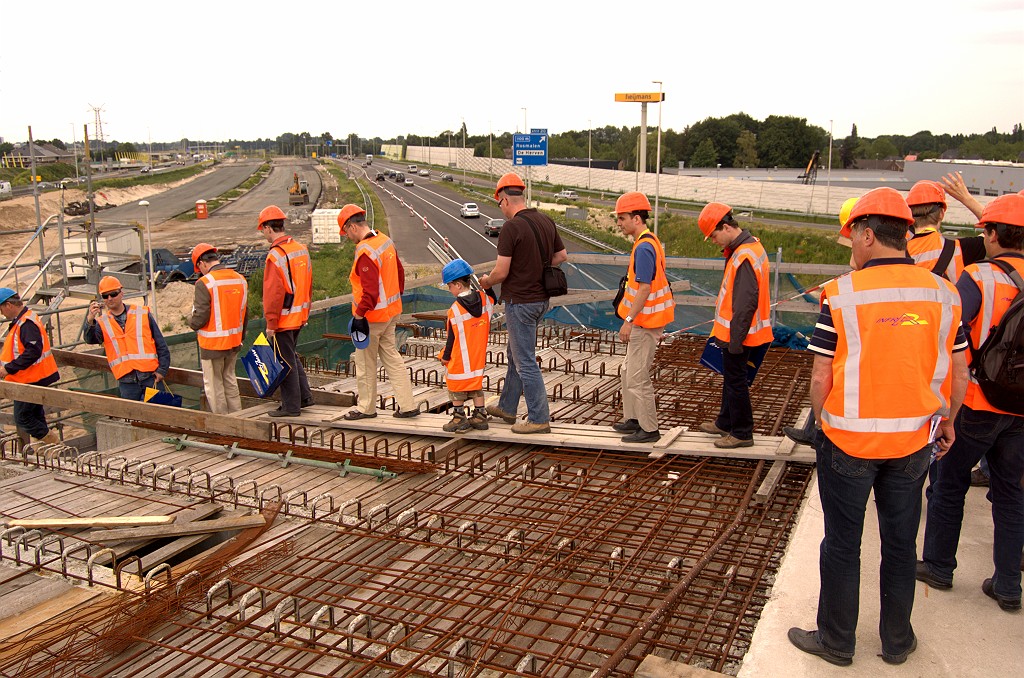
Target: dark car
{"type": "Point", "coordinates": [493, 227]}
{"type": "Point", "coordinates": [380, 176]}
{"type": "Point", "coordinates": [399, 177]}
{"type": "Point", "coordinates": [447, 177]}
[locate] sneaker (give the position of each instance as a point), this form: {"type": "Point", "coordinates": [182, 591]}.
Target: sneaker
{"type": "Point", "coordinates": [731, 442]}
{"type": "Point", "coordinates": [479, 420]}
{"type": "Point", "coordinates": [642, 436]}
{"type": "Point", "coordinates": [1005, 604]}
{"type": "Point", "coordinates": [807, 641]}
{"type": "Point", "coordinates": [710, 428]}
{"type": "Point", "coordinates": [627, 426]}
{"type": "Point", "coordinates": [978, 479]}
{"type": "Point", "coordinates": [459, 422]}
{"type": "Point", "coordinates": [498, 413]}
{"type": "Point", "coordinates": [924, 573]}
{"type": "Point", "coordinates": [530, 427]}
{"type": "Point", "coordinates": [899, 658]}
{"type": "Point", "coordinates": [406, 414]}
{"type": "Point", "coordinates": [799, 435]}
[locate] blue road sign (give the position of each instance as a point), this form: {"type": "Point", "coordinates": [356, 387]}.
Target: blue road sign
{"type": "Point", "coordinates": [529, 149]}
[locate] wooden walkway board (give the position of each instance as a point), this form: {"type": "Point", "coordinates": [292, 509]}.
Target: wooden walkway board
{"type": "Point", "coordinates": [567, 435]}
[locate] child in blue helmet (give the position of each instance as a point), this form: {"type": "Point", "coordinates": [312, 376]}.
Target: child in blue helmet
{"type": "Point", "coordinates": [465, 352]}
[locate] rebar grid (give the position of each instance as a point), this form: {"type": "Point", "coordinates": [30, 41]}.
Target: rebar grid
{"type": "Point", "coordinates": [542, 564]}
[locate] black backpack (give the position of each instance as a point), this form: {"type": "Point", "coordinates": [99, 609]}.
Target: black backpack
{"type": "Point", "coordinates": [999, 364]}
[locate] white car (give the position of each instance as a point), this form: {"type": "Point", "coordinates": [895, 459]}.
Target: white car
{"type": "Point", "coordinates": [469, 210]}
{"type": "Point", "coordinates": [567, 195]}
{"type": "Point", "coordinates": [408, 181]}
{"type": "Point", "coordinates": [424, 173]}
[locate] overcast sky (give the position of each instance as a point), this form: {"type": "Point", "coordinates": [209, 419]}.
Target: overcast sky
{"type": "Point", "coordinates": [222, 69]}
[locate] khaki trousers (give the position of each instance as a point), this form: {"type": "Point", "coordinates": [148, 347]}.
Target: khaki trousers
{"type": "Point", "coordinates": [382, 346]}
{"type": "Point", "coordinates": [220, 384]}
{"type": "Point", "coordinates": [637, 387]}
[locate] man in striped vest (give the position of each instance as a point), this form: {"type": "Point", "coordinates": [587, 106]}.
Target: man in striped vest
{"type": "Point", "coordinates": [646, 308]}
{"type": "Point", "coordinates": [889, 376]}
{"type": "Point", "coordinates": [287, 296]}
{"type": "Point", "coordinates": [136, 351]}
{"type": "Point", "coordinates": [982, 429]}
{"type": "Point", "coordinates": [26, 359]}
{"type": "Point", "coordinates": [378, 280]}
{"type": "Point", "coordinates": [219, 317]}
{"type": "Point", "coordinates": [742, 321]}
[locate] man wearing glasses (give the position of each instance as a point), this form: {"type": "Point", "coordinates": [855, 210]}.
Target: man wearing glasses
{"type": "Point", "coordinates": [527, 238]}
{"type": "Point", "coordinates": [136, 350]}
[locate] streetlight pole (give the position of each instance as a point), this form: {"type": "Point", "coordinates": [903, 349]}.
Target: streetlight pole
{"type": "Point", "coordinates": [529, 183]}
{"type": "Point", "coordinates": [490, 151]}
{"type": "Point", "coordinates": [828, 183]}
{"type": "Point", "coordinates": [462, 158]}
{"type": "Point", "coordinates": [718, 175]}
{"type": "Point", "coordinates": [152, 269]}
{"type": "Point", "coordinates": [657, 167]}
{"type": "Point", "coordinates": [74, 150]}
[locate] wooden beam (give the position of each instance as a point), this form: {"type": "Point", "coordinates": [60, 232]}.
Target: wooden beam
{"type": "Point", "coordinates": [98, 521]}
{"type": "Point", "coordinates": [767, 487]}
{"type": "Point", "coordinates": [138, 411]}
{"type": "Point", "coordinates": [183, 530]}
{"type": "Point", "coordinates": [706, 264]}
{"type": "Point", "coordinates": [178, 375]}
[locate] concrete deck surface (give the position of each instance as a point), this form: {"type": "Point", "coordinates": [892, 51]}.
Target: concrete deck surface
{"type": "Point", "coordinates": [961, 632]}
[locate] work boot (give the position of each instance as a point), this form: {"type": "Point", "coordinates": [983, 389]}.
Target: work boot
{"type": "Point", "coordinates": [807, 641]}
{"type": "Point", "coordinates": [1005, 604]}
{"type": "Point", "coordinates": [642, 436]}
{"type": "Point", "coordinates": [710, 428]}
{"type": "Point", "coordinates": [530, 427]}
{"type": "Point", "coordinates": [978, 478]}
{"type": "Point", "coordinates": [627, 426]}
{"type": "Point", "coordinates": [923, 573]}
{"type": "Point", "coordinates": [799, 435]}
{"type": "Point", "coordinates": [51, 438]}
{"type": "Point", "coordinates": [497, 412]}
{"type": "Point", "coordinates": [731, 442]}
{"type": "Point", "coordinates": [479, 419]}
{"type": "Point", "coordinates": [459, 422]}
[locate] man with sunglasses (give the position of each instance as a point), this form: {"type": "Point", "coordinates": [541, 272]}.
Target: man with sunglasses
{"type": "Point", "coordinates": [26, 359]}
{"type": "Point", "coordinates": [520, 270]}
{"type": "Point", "coordinates": [136, 351]}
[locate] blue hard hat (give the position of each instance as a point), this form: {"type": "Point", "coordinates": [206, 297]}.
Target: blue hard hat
{"type": "Point", "coordinates": [6, 293]}
{"type": "Point", "coordinates": [359, 330]}
{"type": "Point", "coordinates": [455, 269]}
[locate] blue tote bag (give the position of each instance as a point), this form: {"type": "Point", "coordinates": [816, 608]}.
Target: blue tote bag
{"type": "Point", "coordinates": [265, 366]}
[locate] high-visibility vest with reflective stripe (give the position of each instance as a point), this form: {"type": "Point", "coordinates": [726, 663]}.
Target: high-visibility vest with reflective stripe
{"type": "Point", "coordinates": [290, 261]}
{"type": "Point", "coordinates": [43, 367]}
{"type": "Point", "coordinates": [760, 331]}
{"type": "Point", "coordinates": [469, 350]}
{"type": "Point", "coordinates": [229, 294]}
{"type": "Point", "coordinates": [926, 249]}
{"type": "Point", "coordinates": [133, 347]}
{"type": "Point", "coordinates": [659, 309]}
{"type": "Point", "coordinates": [381, 251]}
{"type": "Point", "coordinates": [892, 369]}
{"type": "Point", "coordinates": [997, 291]}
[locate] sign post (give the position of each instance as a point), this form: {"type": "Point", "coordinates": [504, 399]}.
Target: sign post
{"type": "Point", "coordinates": [530, 150]}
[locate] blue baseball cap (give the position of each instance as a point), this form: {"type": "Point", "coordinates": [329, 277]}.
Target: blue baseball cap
{"type": "Point", "coordinates": [359, 330]}
{"type": "Point", "coordinates": [6, 293]}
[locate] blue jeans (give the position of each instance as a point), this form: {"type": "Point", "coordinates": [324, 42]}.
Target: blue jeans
{"type": "Point", "coordinates": [844, 485]}
{"type": "Point", "coordinates": [134, 385]}
{"type": "Point", "coordinates": [523, 376]}
{"type": "Point", "coordinates": [1000, 438]}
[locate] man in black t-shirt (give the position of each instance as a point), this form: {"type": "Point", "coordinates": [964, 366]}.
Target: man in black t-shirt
{"type": "Point", "coordinates": [520, 270]}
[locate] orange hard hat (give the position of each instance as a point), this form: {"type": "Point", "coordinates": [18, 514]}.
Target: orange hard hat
{"type": "Point", "coordinates": [1006, 209]}
{"type": "Point", "coordinates": [270, 213]}
{"type": "Point", "coordinates": [347, 212]}
{"type": "Point", "coordinates": [109, 283]}
{"type": "Point", "coordinates": [711, 216]}
{"type": "Point", "coordinates": [509, 180]}
{"type": "Point", "coordinates": [882, 202]}
{"type": "Point", "coordinates": [925, 193]}
{"type": "Point", "coordinates": [634, 201]}
{"type": "Point", "coordinates": [199, 250]}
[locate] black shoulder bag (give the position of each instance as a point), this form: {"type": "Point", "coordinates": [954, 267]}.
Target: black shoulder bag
{"type": "Point", "coordinates": [622, 285]}
{"type": "Point", "coordinates": [553, 278]}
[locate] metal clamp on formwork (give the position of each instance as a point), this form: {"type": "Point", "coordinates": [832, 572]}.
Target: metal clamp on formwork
{"type": "Point", "coordinates": [166, 569]}
{"type": "Point", "coordinates": [315, 619]}
{"type": "Point", "coordinates": [462, 647]}
{"type": "Point", "coordinates": [244, 602]}
{"type": "Point", "coordinates": [346, 467]}
{"type": "Point", "coordinates": [281, 609]}
{"type": "Point", "coordinates": [222, 584]}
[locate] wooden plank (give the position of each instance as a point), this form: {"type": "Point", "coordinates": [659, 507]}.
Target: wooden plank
{"type": "Point", "coordinates": [767, 487]}
{"type": "Point", "coordinates": [130, 409]}
{"type": "Point", "coordinates": [178, 375]}
{"type": "Point", "coordinates": [706, 264]}
{"type": "Point", "coordinates": [42, 613]}
{"type": "Point", "coordinates": [669, 437]}
{"type": "Point", "coordinates": [441, 453]}
{"type": "Point", "coordinates": [99, 521]}
{"type": "Point", "coordinates": [788, 445]}
{"type": "Point", "coordinates": [160, 532]}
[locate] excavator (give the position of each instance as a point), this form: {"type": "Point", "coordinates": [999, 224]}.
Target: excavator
{"type": "Point", "coordinates": [810, 174]}
{"type": "Point", "coordinates": [298, 193]}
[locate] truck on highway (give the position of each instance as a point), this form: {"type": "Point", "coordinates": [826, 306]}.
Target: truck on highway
{"type": "Point", "coordinates": [369, 158]}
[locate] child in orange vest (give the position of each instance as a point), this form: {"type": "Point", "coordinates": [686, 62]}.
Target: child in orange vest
{"type": "Point", "coordinates": [465, 352]}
